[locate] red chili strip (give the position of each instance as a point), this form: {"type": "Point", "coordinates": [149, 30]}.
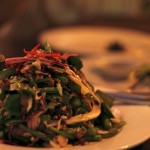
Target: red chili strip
{"type": "Point", "coordinates": [57, 55]}
{"type": "Point", "coordinates": [54, 55]}
{"type": "Point", "coordinates": [33, 51]}
{"type": "Point", "coordinates": [35, 48]}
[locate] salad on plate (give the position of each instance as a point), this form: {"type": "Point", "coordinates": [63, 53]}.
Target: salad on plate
{"type": "Point", "coordinates": [46, 101]}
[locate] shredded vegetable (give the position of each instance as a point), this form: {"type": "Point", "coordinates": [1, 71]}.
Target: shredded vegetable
{"type": "Point", "coordinates": [46, 101]}
{"type": "Point", "coordinates": [37, 53]}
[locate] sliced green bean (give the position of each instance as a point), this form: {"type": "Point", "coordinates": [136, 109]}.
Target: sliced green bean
{"type": "Point", "coordinates": [51, 90]}
{"type": "Point", "coordinates": [110, 133]}
{"type": "Point", "coordinates": [35, 133]}
{"type": "Point", "coordinates": [67, 134]}
{"type": "Point", "coordinates": [92, 136]}
{"type": "Point", "coordinates": [106, 122]}
{"type": "Point", "coordinates": [45, 80]}
{"type": "Point", "coordinates": [11, 121]}
{"type": "Point", "coordinates": [64, 80]}
{"type": "Point", "coordinates": [21, 139]}
{"type": "Point", "coordinates": [119, 125]}
{"type": "Point", "coordinates": [40, 82]}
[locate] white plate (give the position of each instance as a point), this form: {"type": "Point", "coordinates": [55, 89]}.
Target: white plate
{"type": "Point", "coordinates": [94, 40]}
{"type": "Point", "coordinates": [136, 131]}
{"type": "Point", "coordinates": [98, 74]}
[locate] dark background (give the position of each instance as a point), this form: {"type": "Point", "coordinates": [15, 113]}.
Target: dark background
{"type": "Point", "coordinates": [22, 21]}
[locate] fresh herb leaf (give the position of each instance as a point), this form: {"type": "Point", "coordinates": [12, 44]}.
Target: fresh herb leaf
{"type": "Point", "coordinates": [108, 100]}
{"type": "Point", "coordinates": [13, 104]}
{"type": "Point", "coordinates": [75, 61]}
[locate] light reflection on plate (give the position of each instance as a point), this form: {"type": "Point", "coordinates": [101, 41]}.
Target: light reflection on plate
{"type": "Point", "coordinates": [133, 133]}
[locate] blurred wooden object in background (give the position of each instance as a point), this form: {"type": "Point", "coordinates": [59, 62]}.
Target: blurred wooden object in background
{"type": "Point", "coordinates": [22, 21]}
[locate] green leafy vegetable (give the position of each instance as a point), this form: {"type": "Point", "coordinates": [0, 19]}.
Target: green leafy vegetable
{"type": "Point", "coordinates": [46, 101]}
{"type": "Point", "coordinates": [75, 61]}
{"type": "Point", "coordinates": [12, 104]}
{"type": "Point", "coordinates": [108, 100]}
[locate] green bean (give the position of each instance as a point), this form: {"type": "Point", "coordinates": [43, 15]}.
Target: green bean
{"type": "Point", "coordinates": [106, 122]}
{"type": "Point", "coordinates": [11, 121]}
{"type": "Point", "coordinates": [7, 73]}
{"type": "Point", "coordinates": [110, 133]}
{"type": "Point", "coordinates": [41, 82]}
{"type": "Point", "coordinates": [91, 135]}
{"type": "Point", "coordinates": [119, 125]}
{"type": "Point", "coordinates": [35, 133]}
{"type": "Point", "coordinates": [64, 80]}
{"type": "Point", "coordinates": [51, 90]}
{"type": "Point", "coordinates": [45, 80]}
{"type": "Point", "coordinates": [95, 138]}
{"type": "Point", "coordinates": [67, 134]}
{"type": "Point", "coordinates": [22, 139]}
